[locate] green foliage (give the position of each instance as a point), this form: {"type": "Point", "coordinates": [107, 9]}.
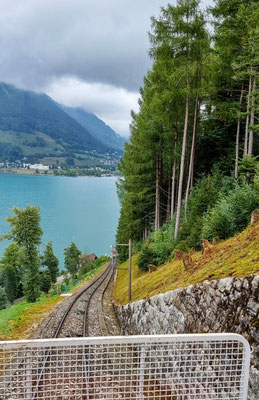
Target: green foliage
{"type": "Point", "coordinates": [85, 267]}
{"type": "Point", "coordinates": [248, 168]}
{"type": "Point", "coordinates": [50, 261]}
{"type": "Point", "coordinates": [3, 298]}
{"type": "Point", "coordinates": [203, 197]}
{"type": "Point", "coordinates": [72, 254]}
{"type": "Point", "coordinates": [53, 291]}
{"type": "Point", "coordinates": [45, 281]}
{"type": "Point", "coordinates": [101, 260]}
{"type": "Point", "coordinates": [26, 232]}
{"type": "Point", "coordinates": [231, 214]}
{"type": "Point", "coordinates": [182, 246]}
{"type": "Point", "coordinates": [146, 257]}
{"type": "Point", "coordinates": [185, 65]}
{"type": "Point", "coordinates": [156, 251]}
{"type": "Point", "coordinates": [10, 152]}
{"type": "Point", "coordinates": [31, 277]}
{"type": "Point", "coordinates": [10, 271]}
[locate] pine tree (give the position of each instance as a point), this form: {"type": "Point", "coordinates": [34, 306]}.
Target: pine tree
{"type": "Point", "coordinates": [50, 261]}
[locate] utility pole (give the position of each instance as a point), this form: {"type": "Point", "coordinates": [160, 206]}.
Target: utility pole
{"type": "Point", "coordinates": [129, 269]}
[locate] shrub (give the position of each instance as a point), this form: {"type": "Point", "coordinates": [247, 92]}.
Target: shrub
{"type": "Point", "coordinates": [146, 257]}
{"type": "Point", "coordinates": [203, 196]}
{"type": "Point", "coordinates": [53, 291]}
{"type": "Point", "coordinates": [155, 254]}
{"type": "Point", "coordinates": [3, 298]}
{"type": "Point", "coordinates": [161, 251]}
{"type": "Point", "coordinates": [101, 260]}
{"type": "Point", "coordinates": [85, 268]}
{"type": "Point", "coordinates": [231, 214]}
{"type": "Point", "coordinates": [182, 246]}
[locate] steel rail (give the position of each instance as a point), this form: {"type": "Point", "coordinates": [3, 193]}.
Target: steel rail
{"type": "Point", "coordinates": [85, 330]}
{"type": "Point", "coordinates": [85, 327]}
{"type": "Point", "coordinates": [103, 275]}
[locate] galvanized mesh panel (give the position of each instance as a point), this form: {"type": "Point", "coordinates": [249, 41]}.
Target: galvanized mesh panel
{"type": "Point", "coordinates": [176, 367]}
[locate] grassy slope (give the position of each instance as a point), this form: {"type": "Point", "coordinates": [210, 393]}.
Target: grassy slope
{"type": "Point", "coordinates": [21, 320]}
{"type": "Point", "coordinates": [238, 256]}
{"type": "Point", "coordinates": [18, 138]}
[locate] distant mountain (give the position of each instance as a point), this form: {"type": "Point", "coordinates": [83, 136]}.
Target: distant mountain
{"type": "Point", "coordinates": [33, 124]}
{"type": "Point", "coordinates": [96, 127]}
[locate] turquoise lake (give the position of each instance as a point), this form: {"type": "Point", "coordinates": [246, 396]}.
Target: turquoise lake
{"type": "Point", "coordinates": [84, 210]}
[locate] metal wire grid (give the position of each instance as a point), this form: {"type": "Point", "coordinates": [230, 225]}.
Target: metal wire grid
{"type": "Point", "coordinates": [175, 367]}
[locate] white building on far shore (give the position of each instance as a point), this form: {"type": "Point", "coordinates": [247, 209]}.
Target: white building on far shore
{"type": "Point", "coordinates": [40, 167]}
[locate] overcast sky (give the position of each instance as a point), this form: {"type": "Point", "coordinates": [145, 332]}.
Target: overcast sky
{"type": "Point", "coordinates": [86, 53]}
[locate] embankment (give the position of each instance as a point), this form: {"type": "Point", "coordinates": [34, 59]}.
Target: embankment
{"type": "Point", "coordinates": [225, 305]}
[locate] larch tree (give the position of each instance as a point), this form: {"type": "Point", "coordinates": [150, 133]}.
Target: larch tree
{"type": "Point", "coordinates": [181, 30]}
{"type": "Point", "coordinates": [26, 232]}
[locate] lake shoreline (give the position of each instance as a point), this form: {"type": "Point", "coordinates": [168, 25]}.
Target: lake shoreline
{"type": "Point", "coordinates": [84, 211]}
{"type": "Point", "coordinates": [50, 173]}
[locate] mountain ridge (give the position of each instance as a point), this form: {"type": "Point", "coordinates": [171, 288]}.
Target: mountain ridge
{"type": "Point", "coordinates": [34, 125]}
{"type": "Point", "coordinates": [97, 127]}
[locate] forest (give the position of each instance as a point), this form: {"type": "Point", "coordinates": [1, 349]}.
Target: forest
{"type": "Point", "coordinates": [190, 170]}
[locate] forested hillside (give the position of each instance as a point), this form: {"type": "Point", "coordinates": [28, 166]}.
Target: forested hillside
{"type": "Point", "coordinates": [96, 127]}
{"type": "Point", "coordinates": [33, 125]}
{"type": "Point", "coordinates": [191, 165]}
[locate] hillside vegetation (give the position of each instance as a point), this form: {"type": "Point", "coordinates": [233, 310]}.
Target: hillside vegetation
{"type": "Point", "coordinates": [33, 125]}
{"type": "Point", "coordinates": [238, 256]}
{"type": "Point", "coordinates": [190, 169]}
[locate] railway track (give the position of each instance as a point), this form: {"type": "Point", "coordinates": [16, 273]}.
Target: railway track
{"type": "Point", "coordinates": [85, 316]}
{"type": "Point", "coordinates": [75, 321]}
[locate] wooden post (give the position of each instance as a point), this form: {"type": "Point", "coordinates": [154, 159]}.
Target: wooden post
{"type": "Point", "coordinates": [129, 269]}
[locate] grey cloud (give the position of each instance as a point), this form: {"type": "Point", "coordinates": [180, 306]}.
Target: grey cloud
{"type": "Point", "coordinates": [86, 53]}
{"type": "Point", "coordinates": [103, 41]}
{"type": "Point", "coordinates": [108, 102]}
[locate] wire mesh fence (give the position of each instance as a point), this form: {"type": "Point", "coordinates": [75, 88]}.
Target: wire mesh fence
{"type": "Point", "coordinates": [175, 367]}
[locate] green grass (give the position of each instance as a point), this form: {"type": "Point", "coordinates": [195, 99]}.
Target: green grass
{"type": "Point", "coordinates": [238, 256]}
{"type": "Point", "coordinates": [21, 319]}
{"type": "Point", "coordinates": [16, 321]}
{"type": "Point", "coordinates": [18, 138]}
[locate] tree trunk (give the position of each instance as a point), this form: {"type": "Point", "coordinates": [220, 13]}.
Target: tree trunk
{"type": "Point", "coordinates": [173, 189]}
{"type": "Point", "coordinates": [180, 187]}
{"type": "Point", "coordinates": [168, 203]}
{"type": "Point", "coordinates": [191, 165]}
{"type": "Point", "coordinates": [158, 193]}
{"type": "Point", "coordinates": [252, 120]}
{"type": "Point", "coordinates": [247, 116]}
{"type": "Point", "coordinates": [238, 132]}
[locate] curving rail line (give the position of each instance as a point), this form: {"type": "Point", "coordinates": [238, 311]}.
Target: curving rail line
{"type": "Point", "coordinates": [94, 285]}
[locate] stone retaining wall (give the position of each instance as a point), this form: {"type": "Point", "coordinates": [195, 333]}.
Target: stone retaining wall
{"type": "Point", "coordinates": [226, 305]}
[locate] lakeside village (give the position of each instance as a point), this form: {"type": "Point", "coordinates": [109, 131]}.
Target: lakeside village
{"type": "Point", "coordinates": [105, 167]}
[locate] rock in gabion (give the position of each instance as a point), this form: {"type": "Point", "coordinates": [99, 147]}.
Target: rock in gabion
{"type": "Point", "coordinates": [226, 305]}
